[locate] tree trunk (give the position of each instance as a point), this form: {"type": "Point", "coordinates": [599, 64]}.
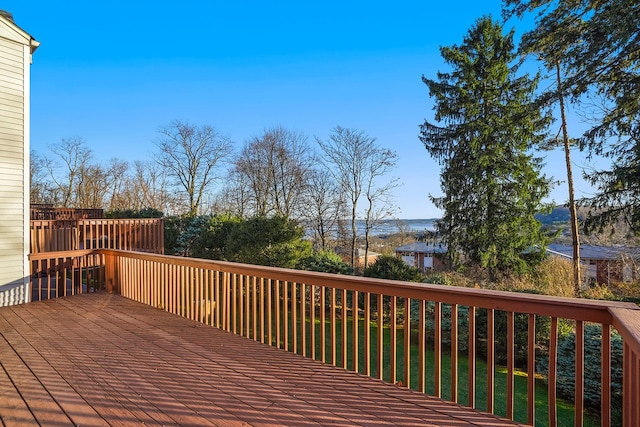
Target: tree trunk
{"type": "Point", "coordinates": [577, 277]}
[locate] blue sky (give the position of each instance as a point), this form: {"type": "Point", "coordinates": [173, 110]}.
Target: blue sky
{"type": "Point", "coordinates": [114, 72]}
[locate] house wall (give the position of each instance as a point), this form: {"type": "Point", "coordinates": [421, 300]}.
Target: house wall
{"type": "Point", "coordinates": [15, 58]}
{"type": "Point", "coordinates": [424, 261]}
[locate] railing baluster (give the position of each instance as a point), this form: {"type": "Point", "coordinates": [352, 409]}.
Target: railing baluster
{"type": "Point", "coordinates": [531, 370]}
{"type": "Point", "coordinates": [294, 317]}
{"type": "Point", "coordinates": [277, 305]}
{"type": "Point", "coordinates": [380, 352]}
{"type": "Point", "coordinates": [240, 308]}
{"type": "Point", "coordinates": [213, 299]}
{"type": "Point", "coordinates": [407, 342]}
{"type": "Point", "coordinates": [229, 298]}
{"type": "Point", "coordinates": [285, 314]}
{"type": "Point", "coordinates": [510, 363]}
{"type": "Point", "coordinates": [490, 360]}
{"type": "Point", "coordinates": [635, 388]}
{"type": "Point", "coordinates": [454, 353]}
{"type": "Point", "coordinates": [269, 313]}
{"type": "Point", "coordinates": [333, 325]}
{"type": "Point", "coordinates": [312, 320]}
{"type": "Point", "coordinates": [354, 333]}
{"type": "Point", "coordinates": [393, 341]}
{"type": "Point", "coordinates": [605, 380]}
{"type": "Point", "coordinates": [367, 334]}
{"type": "Point", "coordinates": [437, 352]}
{"type": "Point", "coordinates": [260, 296]}
{"type": "Point", "coordinates": [627, 403]}
{"type": "Point", "coordinates": [471, 375]}
{"type": "Point", "coordinates": [579, 391]}
{"type": "Point", "coordinates": [422, 350]}
{"type": "Point", "coordinates": [247, 306]}
{"type": "Point", "coordinates": [343, 313]}
{"type": "Point", "coordinates": [303, 320]}
{"type": "Point", "coordinates": [323, 331]}
{"type": "Point", "coordinates": [217, 300]}
{"type": "Point", "coordinates": [553, 369]}
{"type": "Point", "coordinates": [254, 311]}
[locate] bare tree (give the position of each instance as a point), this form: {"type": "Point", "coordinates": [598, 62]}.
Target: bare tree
{"type": "Point", "coordinates": [323, 208]}
{"type": "Point", "coordinates": [276, 166]}
{"type": "Point", "coordinates": [148, 187]}
{"type": "Point", "coordinates": [191, 155]}
{"type": "Point", "coordinates": [236, 197]}
{"type": "Point", "coordinates": [74, 156]}
{"type": "Point", "coordinates": [117, 177]}
{"type": "Point", "coordinates": [40, 187]}
{"type": "Point", "coordinates": [379, 197]}
{"type": "Point", "coordinates": [356, 162]}
{"type": "Point", "coordinates": [92, 186]}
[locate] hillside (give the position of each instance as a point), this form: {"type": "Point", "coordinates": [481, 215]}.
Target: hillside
{"type": "Point", "coordinates": [558, 220]}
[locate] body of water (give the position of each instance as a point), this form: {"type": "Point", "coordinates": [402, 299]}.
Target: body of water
{"type": "Point", "coordinates": [392, 226]}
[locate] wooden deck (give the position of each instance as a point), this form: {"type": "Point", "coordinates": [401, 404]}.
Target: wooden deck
{"type": "Point", "coordinates": [101, 359]}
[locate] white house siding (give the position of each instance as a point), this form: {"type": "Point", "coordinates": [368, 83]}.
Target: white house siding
{"type": "Point", "coordinates": [15, 54]}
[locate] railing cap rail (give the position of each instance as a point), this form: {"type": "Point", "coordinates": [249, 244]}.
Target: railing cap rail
{"type": "Point", "coordinates": [571, 308]}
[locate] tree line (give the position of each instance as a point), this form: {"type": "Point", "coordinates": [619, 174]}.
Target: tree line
{"type": "Point", "coordinates": [197, 170]}
{"type": "Point", "coordinates": [491, 125]}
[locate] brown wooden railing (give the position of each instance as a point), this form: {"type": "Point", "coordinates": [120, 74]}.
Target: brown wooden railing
{"type": "Point", "coordinates": [386, 329]}
{"type": "Point", "coordinates": [58, 274]}
{"type": "Point", "coordinates": [48, 212]}
{"type": "Point", "coordinates": [142, 235]}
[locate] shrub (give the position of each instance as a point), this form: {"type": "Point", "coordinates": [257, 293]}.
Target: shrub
{"type": "Point", "coordinates": [592, 355]}
{"type": "Point", "coordinates": [325, 262]}
{"type": "Point", "coordinates": [393, 268]}
{"type": "Point", "coordinates": [132, 213]}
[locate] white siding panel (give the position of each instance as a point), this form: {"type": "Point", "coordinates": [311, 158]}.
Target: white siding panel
{"type": "Point", "coordinates": [11, 127]}
{"type": "Point", "coordinates": [11, 111]}
{"type": "Point", "coordinates": [13, 85]}
{"type": "Point", "coordinates": [11, 52]}
{"type": "Point", "coordinates": [12, 102]}
{"type": "Point", "coordinates": [12, 81]}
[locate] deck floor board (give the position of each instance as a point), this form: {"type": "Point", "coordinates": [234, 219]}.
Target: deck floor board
{"type": "Point", "coordinates": [101, 359]}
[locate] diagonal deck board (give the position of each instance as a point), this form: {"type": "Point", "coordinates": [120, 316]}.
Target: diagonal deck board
{"type": "Point", "coordinates": [100, 359]}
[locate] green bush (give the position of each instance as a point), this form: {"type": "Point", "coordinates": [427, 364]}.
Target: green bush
{"type": "Point", "coordinates": [325, 262]}
{"type": "Point", "coordinates": [132, 213]}
{"type": "Point", "coordinates": [592, 374]}
{"type": "Point", "coordinates": [393, 268]}
{"type": "Point", "coordinates": [181, 234]}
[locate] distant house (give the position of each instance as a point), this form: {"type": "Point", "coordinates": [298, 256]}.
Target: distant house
{"type": "Point", "coordinates": [604, 264]}
{"type": "Point", "coordinates": [16, 48]}
{"type": "Point", "coordinates": [425, 256]}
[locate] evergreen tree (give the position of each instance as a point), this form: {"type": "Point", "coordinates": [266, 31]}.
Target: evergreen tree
{"type": "Point", "coordinates": [486, 124]}
{"type": "Point", "coordinates": [597, 43]}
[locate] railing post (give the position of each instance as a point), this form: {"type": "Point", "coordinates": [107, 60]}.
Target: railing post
{"type": "Point", "coordinates": [111, 274]}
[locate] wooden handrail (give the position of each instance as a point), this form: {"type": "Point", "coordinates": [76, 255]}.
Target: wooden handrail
{"type": "Point", "coordinates": [139, 234]}
{"type": "Point", "coordinates": [571, 308]}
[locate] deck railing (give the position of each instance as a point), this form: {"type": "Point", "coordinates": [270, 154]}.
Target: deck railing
{"type": "Point", "coordinates": [135, 234]}
{"type": "Point", "coordinates": [397, 331]}
{"type": "Point", "coordinates": [58, 274]}
{"type": "Point", "coordinates": [42, 212]}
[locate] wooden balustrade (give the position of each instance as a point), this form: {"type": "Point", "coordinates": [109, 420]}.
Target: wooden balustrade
{"type": "Point", "coordinates": [371, 326]}
{"type": "Point", "coordinates": [136, 234]}
{"type": "Point", "coordinates": [58, 274]}
{"type": "Point", "coordinates": [397, 331]}
{"type": "Point", "coordinates": [48, 212]}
